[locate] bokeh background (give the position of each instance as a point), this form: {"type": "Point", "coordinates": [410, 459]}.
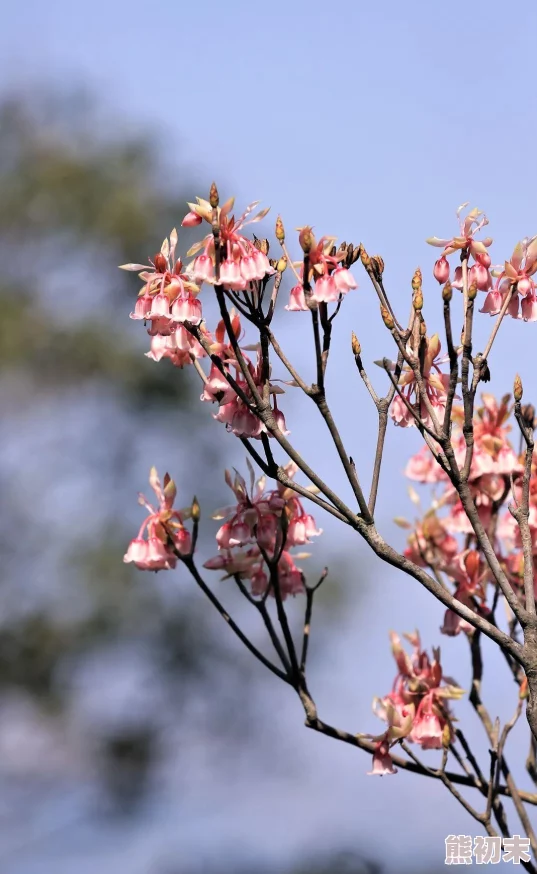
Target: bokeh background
{"type": "Point", "coordinates": [135, 733]}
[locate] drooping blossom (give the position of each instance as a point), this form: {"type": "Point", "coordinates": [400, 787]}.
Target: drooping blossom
{"type": "Point", "coordinates": [241, 261]}
{"type": "Point", "coordinates": [167, 300]}
{"type": "Point", "coordinates": [235, 411]}
{"type": "Point", "coordinates": [416, 708]}
{"type": "Point", "coordinates": [328, 275]}
{"type": "Point", "coordinates": [259, 526]}
{"type": "Point", "coordinates": [431, 544]}
{"type": "Point", "coordinates": [164, 528]}
{"type": "Point", "coordinates": [435, 383]}
{"type": "Point", "coordinates": [444, 539]}
{"type": "Point", "coordinates": [515, 279]}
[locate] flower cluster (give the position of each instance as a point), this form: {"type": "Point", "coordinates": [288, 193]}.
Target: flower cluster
{"type": "Point", "coordinates": [166, 533]}
{"type": "Point", "coordinates": [416, 709]}
{"type": "Point", "coordinates": [494, 467]}
{"type": "Point", "coordinates": [259, 530]}
{"type": "Point", "coordinates": [235, 408]}
{"type": "Point", "coordinates": [169, 304]}
{"type": "Point", "coordinates": [168, 299]}
{"type": "Point", "coordinates": [327, 269]}
{"type": "Point", "coordinates": [240, 262]}
{"type": "Point", "coordinates": [434, 382]}
{"type": "Point", "coordinates": [513, 287]}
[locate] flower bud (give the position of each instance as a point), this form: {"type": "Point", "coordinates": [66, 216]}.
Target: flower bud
{"type": "Point", "coordinates": [357, 253]}
{"type": "Point", "coordinates": [416, 279]}
{"type": "Point", "coordinates": [517, 389]}
{"type": "Point", "coordinates": [441, 270]}
{"type": "Point", "coordinates": [447, 292]}
{"type": "Point", "coordinates": [366, 260]}
{"type": "Point", "coordinates": [417, 299]}
{"type": "Point", "coordinates": [195, 511]}
{"type": "Point", "coordinates": [387, 318]}
{"type": "Point", "coordinates": [214, 199]}
{"type": "Point", "coordinates": [472, 291]}
{"type": "Point", "coordinates": [280, 230]}
{"type": "Point", "coordinates": [483, 258]}
{"type": "Point", "coordinates": [356, 348]}
{"type": "Point", "coordinates": [306, 239]}
{"type": "Point", "coordinates": [160, 262]}
{"type": "Point", "coordinates": [261, 245]}
{"type": "Point", "coordinates": [377, 263]}
{"type": "Point", "coordinates": [280, 265]}
{"type": "Point", "coordinates": [471, 563]}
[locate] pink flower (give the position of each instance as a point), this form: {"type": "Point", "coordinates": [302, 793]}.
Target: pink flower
{"type": "Point", "coordinates": [441, 270]}
{"type": "Point", "coordinates": [203, 269]}
{"type": "Point", "coordinates": [217, 387]}
{"type": "Point", "coordinates": [165, 530]}
{"type": "Point", "coordinates": [427, 729]}
{"type": "Point", "coordinates": [233, 534]}
{"type": "Point", "coordinates": [423, 467]}
{"type": "Point", "coordinates": [191, 219]}
{"type": "Point", "coordinates": [137, 551]}
{"type": "Point", "coordinates": [344, 280]}
{"type": "Point", "coordinates": [259, 582]}
{"type": "Point", "coordinates": [297, 300]}
{"type": "Point", "coordinates": [255, 522]}
{"type": "Point", "coordinates": [431, 543]}
{"type": "Point", "coordinates": [243, 262]}
{"type": "Point", "coordinates": [436, 384]}
{"type": "Point", "coordinates": [472, 224]}
{"type": "Point", "coordinates": [142, 308]}
{"type": "Point", "coordinates": [159, 348]}
{"type": "Point", "coordinates": [453, 624]}
{"type": "Point", "coordinates": [529, 307]}
{"type": "Point", "coordinates": [186, 308]}
{"type": "Point", "coordinates": [516, 279]}
{"type": "Point", "coordinates": [230, 273]}
{"type": "Point", "coordinates": [163, 326]}
{"type": "Point", "coordinates": [183, 541]}
{"type": "Point", "coordinates": [325, 290]}
{"type": "Point", "coordinates": [248, 268]}
{"type": "Point", "coordinates": [245, 423]}
{"type": "Point", "coordinates": [160, 306]}
{"type": "Point", "coordinates": [262, 264]}
{"type": "Point", "coordinates": [301, 528]}
{"type": "Point", "coordinates": [279, 418]}
{"type": "Point", "coordinates": [382, 761]}
{"type": "Point", "coordinates": [477, 275]}
{"type": "Point", "coordinates": [290, 576]}
{"type": "Point", "coordinates": [417, 706]}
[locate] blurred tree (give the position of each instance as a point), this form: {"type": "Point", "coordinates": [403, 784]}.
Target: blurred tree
{"type": "Point", "coordinates": [80, 403]}
{"type": "Point", "coordinates": [128, 667]}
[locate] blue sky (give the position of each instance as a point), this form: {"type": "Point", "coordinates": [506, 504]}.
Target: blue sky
{"type": "Point", "coordinates": [372, 122]}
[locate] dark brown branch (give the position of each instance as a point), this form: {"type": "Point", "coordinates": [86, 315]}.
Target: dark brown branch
{"type": "Point", "coordinates": [189, 564]}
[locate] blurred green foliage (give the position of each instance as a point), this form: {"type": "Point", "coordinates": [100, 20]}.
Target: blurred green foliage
{"type": "Point", "coordinates": [78, 196]}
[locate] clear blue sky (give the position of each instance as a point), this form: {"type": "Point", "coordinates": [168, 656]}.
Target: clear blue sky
{"type": "Point", "coordinates": [372, 122]}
